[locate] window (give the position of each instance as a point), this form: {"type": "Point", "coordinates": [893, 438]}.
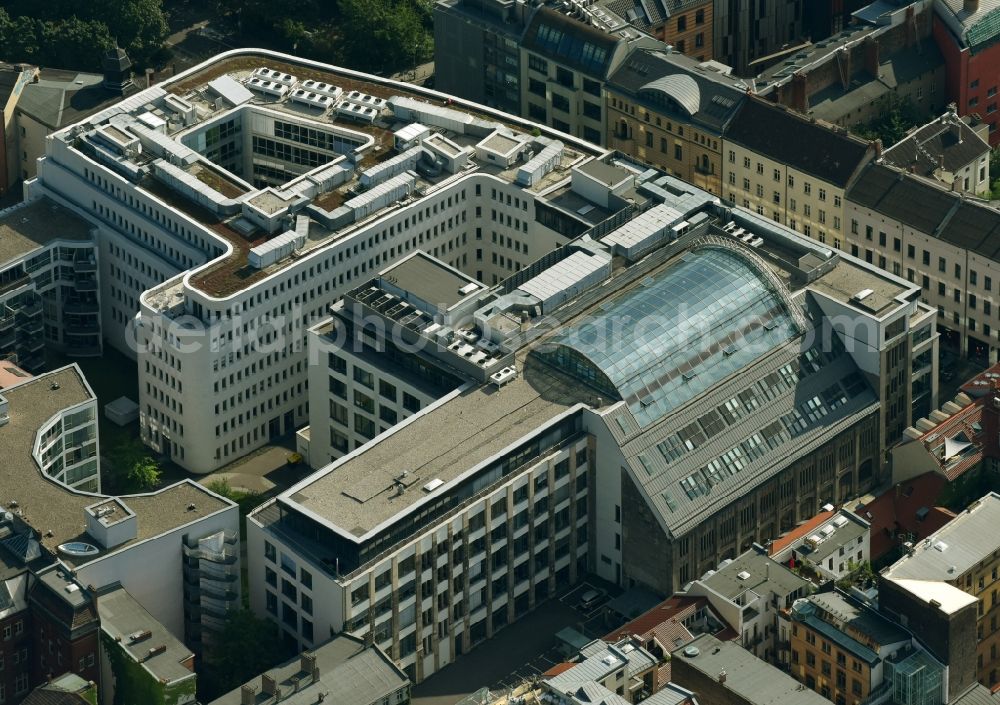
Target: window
{"type": "Point", "coordinates": [560, 102]}
{"type": "Point", "coordinates": [699, 18]}
{"type": "Point", "coordinates": [682, 23]}
{"type": "Point", "coordinates": [411, 403]}
{"type": "Point", "coordinates": [306, 578]}
{"type": "Point", "coordinates": [536, 63]}
{"type": "Point", "coordinates": [942, 265]}
{"type": "Point", "coordinates": [386, 390]}
{"type": "Point", "coordinates": [777, 175]}
{"type": "Point", "coordinates": [337, 363]}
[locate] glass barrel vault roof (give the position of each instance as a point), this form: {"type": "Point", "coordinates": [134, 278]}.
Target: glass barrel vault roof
{"type": "Point", "coordinates": [677, 333]}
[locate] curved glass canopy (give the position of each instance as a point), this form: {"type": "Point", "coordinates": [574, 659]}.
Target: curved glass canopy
{"type": "Point", "coordinates": [675, 334]}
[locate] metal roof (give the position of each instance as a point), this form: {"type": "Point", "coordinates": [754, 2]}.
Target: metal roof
{"type": "Point", "coordinates": [681, 88]}
{"type": "Point", "coordinates": [956, 548]}
{"type": "Point", "coordinates": [677, 333]}
{"type": "Point", "coordinates": [231, 89]}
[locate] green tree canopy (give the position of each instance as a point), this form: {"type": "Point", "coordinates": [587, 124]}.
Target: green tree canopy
{"type": "Point", "coordinates": [75, 34]}
{"type": "Point", "coordinates": [246, 647]}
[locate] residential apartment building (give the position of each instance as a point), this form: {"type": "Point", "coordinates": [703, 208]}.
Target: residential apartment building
{"type": "Point", "coordinates": [967, 31]}
{"type": "Point", "coordinates": [346, 670]}
{"type": "Point", "coordinates": [749, 593]}
{"type": "Point", "coordinates": [549, 460]}
{"type": "Point", "coordinates": [137, 541]}
{"type": "Point", "coordinates": [946, 589]}
{"type": "Point", "coordinates": [15, 626]}
{"type": "Point", "coordinates": [621, 672]}
{"type": "Point", "coordinates": [724, 673]}
{"type": "Point", "coordinates": [565, 64]}
{"type": "Point", "coordinates": [671, 112]}
{"type": "Point", "coordinates": [949, 149]}
{"type": "Point", "coordinates": [684, 25]}
{"type": "Point", "coordinates": [885, 57]}
{"type": "Point", "coordinates": [50, 298]}
{"type": "Point", "coordinates": [944, 246]}
{"type": "Point", "coordinates": [160, 668]}
{"type": "Point", "coordinates": [790, 169]}
{"type": "Point", "coordinates": [832, 544]}
{"type": "Point", "coordinates": [842, 648]}
{"type": "Point", "coordinates": [748, 32]}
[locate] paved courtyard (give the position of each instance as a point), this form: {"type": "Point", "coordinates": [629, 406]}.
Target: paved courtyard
{"type": "Point", "coordinates": [517, 653]}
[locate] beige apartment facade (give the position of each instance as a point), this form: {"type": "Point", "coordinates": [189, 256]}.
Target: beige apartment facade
{"type": "Point", "coordinates": [791, 170]}
{"type": "Point", "coordinates": [937, 239]}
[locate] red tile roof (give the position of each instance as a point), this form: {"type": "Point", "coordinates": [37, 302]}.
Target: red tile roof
{"type": "Point", "coordinates": [895, 511]}
{"type": "Point", "coordinates": [968, 424]}
{"type": "Point", "coordinates": [673, 610]}
{"type": "Point", "coordinates": [799, 532]}
{"type": "Point", "coordinates": [558, 668]}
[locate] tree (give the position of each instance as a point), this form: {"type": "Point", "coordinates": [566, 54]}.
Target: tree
{"type": "Point", "coordinates": [898, 116]}
{"type": "Point", "coordinates": [139, 26]}
{"type": "Point", "coordinates": [143, 474]}
{"type": "Point", "coordinates": [246, 647]}
{"type": "Point", "coordinates": [130, 468]}
{"type": "Point", "coordinates": [398, 27]}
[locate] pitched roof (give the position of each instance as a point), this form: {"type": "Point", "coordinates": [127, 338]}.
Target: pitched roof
{"type": "Point", "coordinates": [979, 28]}
{"type": "Point", "coordinates": [789, 138]}
{"type": "Point", "coordinates": [946, 142]}
{"type": "Point", "coordinates": [928, 207]}
{"type": "Point", "coordinates": [799, 532]}
{"type": "Point", "coordinates": [896, 510]}
{"type": "Point", "coordinates": [656, 79]}
{"type": "Point", "coordinates": [570, 42]}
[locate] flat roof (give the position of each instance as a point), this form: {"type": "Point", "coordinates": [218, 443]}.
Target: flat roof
{"type": "Point", "coordinates": [762, 573]}
{"type": "Point", "coordinates": [750, 679]}
{"type": "Point", "coordinates": [956, 547]}
{"type": "Point", "coordinates": [429, 279]}
{"type": "Point", "coordinates": [137, 632]}
{"type": "Point", "coordinates": [28, 227]}
{"type": "Point", "coordinates": [229, 274]}
{"type": "Point", "coordinates": [358, 491]}
{"type": "Point", "coordinates": [50, 507]}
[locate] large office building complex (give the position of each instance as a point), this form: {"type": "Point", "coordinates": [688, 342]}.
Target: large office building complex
{"type": "Point", "coordinates": [226, 208]}
{"type": "Point", "coordinates": [594, 405]}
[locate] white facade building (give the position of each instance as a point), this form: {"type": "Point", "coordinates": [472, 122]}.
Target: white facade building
{"type": "Point", "coordinates": [141, 541]}
{"type": "Point", "coordinates": [181, 181]}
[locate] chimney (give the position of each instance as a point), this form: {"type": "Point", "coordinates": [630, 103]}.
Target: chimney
{"type": "Point", "coordinates": [722, 676]}
{"type": "Point", "coordinates": [369, 639]}
{"type": "Point", "coordinates": [844, 67]}
{"type": "Point", "coordinates": [911, 26]}
{"type": "Point", "coordinates": [248, 694]}
{"type": "Point", "coordinates": [307, 664]}
{"type": "Point", "coordinates": [971, 6]}
{"type": "Point", "coordinates": [800, 96]}
{"type": "Point", "coordinates": [268, 685]}
{"type": "Point", "coordinates": [871, 56]}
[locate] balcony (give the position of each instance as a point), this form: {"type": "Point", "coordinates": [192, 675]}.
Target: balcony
{"type": "Point", "coordinates": [82, 327]}
{"type": "Point", "coordinates": [85, 264]}
{"type": "Point", "coordinates": [86, 285]}
{"type": "Point", "coordinates": [81, 307]}
{"type": "Point", "coordinates": [31, 309]}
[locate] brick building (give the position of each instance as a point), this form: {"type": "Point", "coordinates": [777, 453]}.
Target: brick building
{"type": "Point", "coordinates": [967, 31]}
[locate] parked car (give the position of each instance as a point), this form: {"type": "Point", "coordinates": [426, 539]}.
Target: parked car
{"type": "Point", "coordinates": [590, 598]}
